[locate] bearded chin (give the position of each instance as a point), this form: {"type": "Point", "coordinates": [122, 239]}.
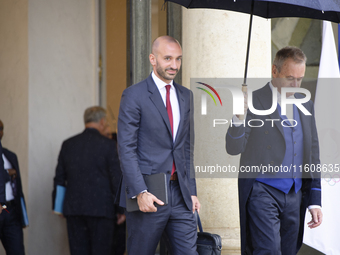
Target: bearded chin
{"type": "Point", "coordinates": [165, 75]}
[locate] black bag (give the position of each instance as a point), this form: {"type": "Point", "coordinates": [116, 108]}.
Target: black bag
{"type": "Point", "coordinates": [207, 244]}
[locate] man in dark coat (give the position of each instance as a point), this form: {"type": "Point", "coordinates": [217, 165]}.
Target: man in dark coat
{"type": "Point", "coordinates": [88, 168]}
{"type": "Point", "coordinates": [273, 201]}
{"type": "Point", "coordinates": [15, 218]}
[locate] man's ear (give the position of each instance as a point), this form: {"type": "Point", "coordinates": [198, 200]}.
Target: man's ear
{"type": "Point", "coordinates": [274, 71]}
{"type": "Point", "coordinates": [152, 59]}
{"type": "Point", "coordinates": [102, 122]}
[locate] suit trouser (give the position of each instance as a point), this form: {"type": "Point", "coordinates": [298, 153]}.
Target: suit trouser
{"type": "Point", "coordinates": [274, 220]}
{"type": "Point", "coordinates": [90, 235]}
{"type": "Point", "coordinates": [177, 222]}
{"type": "Point", "coordinates": [119, 239]}
{"type": "Point", "coordinates": [11, 233]}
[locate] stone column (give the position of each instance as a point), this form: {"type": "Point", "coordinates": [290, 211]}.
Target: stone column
{"type": "Point", "coordinates": [174, 17]}
{"type": "Point", "coordinates": [214, 46]}
{"type": "Point", "coordinates": [140, 40]}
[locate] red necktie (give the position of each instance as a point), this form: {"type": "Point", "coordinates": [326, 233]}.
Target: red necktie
{"type": "Point", "coordinates": [169, 110]}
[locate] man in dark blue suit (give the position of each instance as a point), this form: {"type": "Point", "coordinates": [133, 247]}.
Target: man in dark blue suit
{"type": "Point", "coordinates": [154, 129]}
{"type": "Point", "coordinates": [88, 167]}
{"type": "Point", "coordinates": [273, 204]}
{"type": "Point", "coordinates": [12, 221]}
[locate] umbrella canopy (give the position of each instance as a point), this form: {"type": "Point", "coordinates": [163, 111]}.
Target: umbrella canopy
{"type": "Point", "coordinates": [313, 9]}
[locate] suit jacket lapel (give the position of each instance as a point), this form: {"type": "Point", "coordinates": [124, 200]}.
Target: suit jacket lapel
{"type": "Point", "coordinates": [181, 100]}
{"type": "Point", "coordinates": [306, 129]}
{"type": "Point", "coordinates": [158, 102]}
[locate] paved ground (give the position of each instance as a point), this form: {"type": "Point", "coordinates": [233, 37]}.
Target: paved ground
{"type": "Point", "coordinates": [306, 250]}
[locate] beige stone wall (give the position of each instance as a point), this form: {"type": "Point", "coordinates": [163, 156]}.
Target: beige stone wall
{"type": "Point", "coordinates": [214, 46]}
{"type": "Point", "coordinates": [62, 84]}
{"type": "Point", "coordinates": [47, 78]}
{"type": "Point", "coordinates": [14, 81]}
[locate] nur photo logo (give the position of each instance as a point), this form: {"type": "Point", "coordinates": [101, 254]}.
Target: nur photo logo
{"type": "Point", "coordinates": [204, 97]}
{"type": "Point", "coordinates": [238, 100]}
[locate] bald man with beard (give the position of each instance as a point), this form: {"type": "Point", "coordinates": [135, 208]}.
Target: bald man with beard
{"type": "Point", "coordinates": [154, 128]}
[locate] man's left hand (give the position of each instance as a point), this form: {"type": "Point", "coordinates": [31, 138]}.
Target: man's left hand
{"type": "Point", "coordinates": [195, 204]}
{"type": "Point", "coordinates": [120, 218]}
{"type": "Point", "coordinates": [316, 218]}
{"type": "Point", "coordinates": [12, 173]}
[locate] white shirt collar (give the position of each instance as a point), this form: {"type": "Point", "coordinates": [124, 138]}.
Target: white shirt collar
{"type": "Point", "coordinates": [159, 83]}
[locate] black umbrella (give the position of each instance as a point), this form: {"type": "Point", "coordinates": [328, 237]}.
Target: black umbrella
{"type": "Point", "coordinates": [314, 9]}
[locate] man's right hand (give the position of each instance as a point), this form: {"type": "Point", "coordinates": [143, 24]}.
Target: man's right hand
{"type": "Point", "coordinates": [241, 117]}
{"type": "Point", "coordinates": [146, 202]}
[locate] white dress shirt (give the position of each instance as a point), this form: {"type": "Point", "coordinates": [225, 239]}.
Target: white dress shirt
{"type": "Point", "coordinates": [173, 100]}
{"type": "Point", "coordinates": [9, 191]}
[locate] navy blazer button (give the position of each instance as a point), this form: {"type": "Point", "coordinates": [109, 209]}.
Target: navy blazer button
{"type": "Point", "coordinates": [168, 172]}
{"type": "Point", "coordinates": [269, 147]}
{"type": "Point", "coordinates": [266, 132]}
{"type": "Point", "coordinates": [271, 162]}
